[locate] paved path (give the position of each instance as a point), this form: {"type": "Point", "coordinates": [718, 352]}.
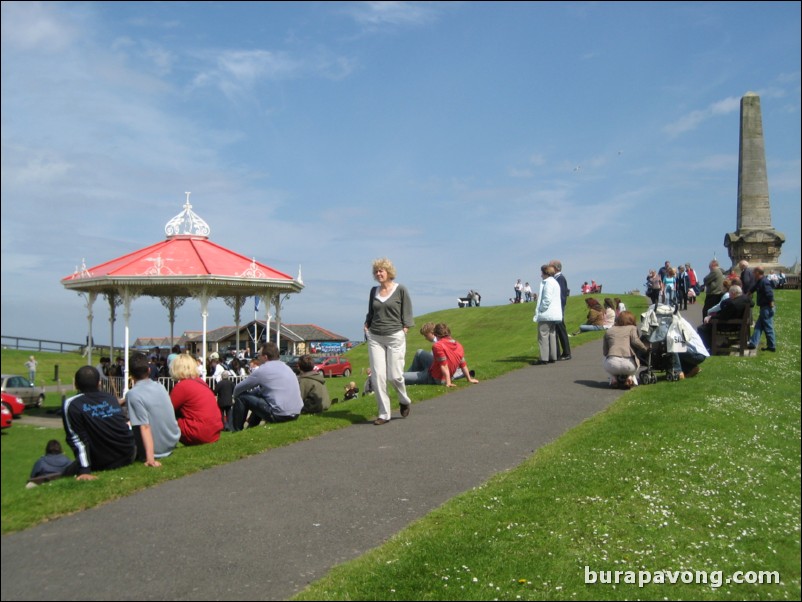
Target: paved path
{"type": "Point", "coordinates": [264, 527]}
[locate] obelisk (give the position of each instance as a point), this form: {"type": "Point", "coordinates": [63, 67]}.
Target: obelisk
{"type": "Point", "coordinates": [754, 240]}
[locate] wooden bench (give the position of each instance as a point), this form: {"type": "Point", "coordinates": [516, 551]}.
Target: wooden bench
{"type": "Point", "coordinates": [731, 337]}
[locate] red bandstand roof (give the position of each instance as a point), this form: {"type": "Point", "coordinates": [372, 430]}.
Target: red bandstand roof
{"type": "Point", "coordinates": [182, 265]}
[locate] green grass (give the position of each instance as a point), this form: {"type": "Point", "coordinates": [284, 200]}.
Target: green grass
{"type": "Point", "coordinates": [13, 361]}
{"type": "Point", "coordinates": [497, 340]}
{"type": "Point", "coordinates": [699, 475]}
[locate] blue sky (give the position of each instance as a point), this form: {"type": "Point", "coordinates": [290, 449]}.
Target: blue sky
{"type": "Point", "coordinates": [467, 142]}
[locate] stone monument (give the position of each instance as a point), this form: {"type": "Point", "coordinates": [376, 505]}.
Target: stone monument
{"type": "Point", "coordinates": [754, 239]}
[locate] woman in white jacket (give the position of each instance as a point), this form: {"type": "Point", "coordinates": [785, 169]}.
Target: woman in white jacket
{"type": "Point", "coordinates": [549, 313]}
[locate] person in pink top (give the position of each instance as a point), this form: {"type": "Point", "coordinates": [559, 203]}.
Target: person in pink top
{"type": "Point", "coordinates": [195, 404]}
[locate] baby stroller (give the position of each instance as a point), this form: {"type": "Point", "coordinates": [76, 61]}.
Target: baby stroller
{"type": "Point", "coordinates": [654, 328]}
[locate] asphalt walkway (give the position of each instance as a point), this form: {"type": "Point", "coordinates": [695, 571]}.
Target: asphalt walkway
{"type": "Point", "coordinates": [264, 527]}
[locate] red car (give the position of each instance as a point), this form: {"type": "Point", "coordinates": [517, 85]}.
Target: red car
{"type": "Point", "coordinates": [333, 366]}
{"type": "Point", "coordinates": [13, 404]}
{"type": "Point", "coordinates": [5, 417]}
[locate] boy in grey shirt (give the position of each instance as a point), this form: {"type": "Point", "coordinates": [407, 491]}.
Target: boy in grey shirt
{"type": "Point", "coordinates": [151, 413]}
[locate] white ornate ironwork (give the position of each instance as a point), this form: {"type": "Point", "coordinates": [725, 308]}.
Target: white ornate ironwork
{"type": "Point", "coordinates": [253, 271]}
{"type": "Point", "coordinates": [84, 272]}
{"type": "Point", "coordinates": [159, 267]}
{"type": "Point", "coordinates": [187, 223]}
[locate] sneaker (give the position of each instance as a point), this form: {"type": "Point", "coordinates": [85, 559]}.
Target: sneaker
{"type": "Point", "coordinates": [772, 349]}
{"type": "Point", "coordinates": [405, 410]}
{"type": "Point", "coordinates": [380, 421]}
{"type": "Point", "coordinates": [751, 346]}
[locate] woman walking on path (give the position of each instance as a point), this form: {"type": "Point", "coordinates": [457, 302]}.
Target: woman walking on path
{"type": "Point", "coordinates": [386, 324]}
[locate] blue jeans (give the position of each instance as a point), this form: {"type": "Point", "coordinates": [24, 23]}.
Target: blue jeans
{"type": "Point", "coordinates": [422, 377]}
{"type": "Point", "coordinates": [765, 323]}
{"type": "Point", "coordinates": [685, 362]}
{"type": "Point", "coordinates": [421, 361]}
{"type": "Point", "coordinates": [260, 410]}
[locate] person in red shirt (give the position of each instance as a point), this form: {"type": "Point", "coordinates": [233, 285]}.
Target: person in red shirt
{"type": "Point", "coordinates": [447, 357]}
{"type": "Point", "coordinates": [195, 403]}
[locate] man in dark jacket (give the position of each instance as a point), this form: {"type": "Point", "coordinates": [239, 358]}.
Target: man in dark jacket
{"type": "Point", "coordinates": [96, 428]}
{"type": "Point", "coordinates": [765, 322]}
{"type": "Point", "coordinates": [747, 277]}
{"type": "Point", "coordinates": [732, 308]}
{"type": "Point", "coordinates": [714, 287]}
{"type": "Point", "coordinates": [563, 346]}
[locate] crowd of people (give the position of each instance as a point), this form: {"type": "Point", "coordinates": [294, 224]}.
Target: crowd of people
{"type": "Point", "coordinates": [149, 421]}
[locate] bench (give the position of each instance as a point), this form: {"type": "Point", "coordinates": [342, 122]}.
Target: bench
{"type": "Point", "coordinates": [730, 337]}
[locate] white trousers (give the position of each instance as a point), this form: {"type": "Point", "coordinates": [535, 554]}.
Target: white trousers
{"type": "Point", "coordinates": [386, 355]}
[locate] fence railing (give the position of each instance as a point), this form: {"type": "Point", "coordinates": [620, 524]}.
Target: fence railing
{"type": "Point", "coordinates": [30, 344]}
{"type": "Point", "coordinates": [40, 344]}
{"type": "Point", "coordinates": [114, 384]}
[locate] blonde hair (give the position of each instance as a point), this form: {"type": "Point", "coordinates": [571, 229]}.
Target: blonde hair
{"type": "Point", "coordinates": [184, 366]}
{"type": "Point", "coordinates": [386, 265]}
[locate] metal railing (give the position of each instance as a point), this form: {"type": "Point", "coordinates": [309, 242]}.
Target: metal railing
{"type": "Point", "coordinates": [114, 384]}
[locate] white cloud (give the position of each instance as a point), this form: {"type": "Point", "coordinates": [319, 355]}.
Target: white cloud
{"type": "Point", "coordinates": [375, 14]}
{"type": "Point", "coordinates": [238, 72]}
{"type": "Point", "coordinates": [693, 119]}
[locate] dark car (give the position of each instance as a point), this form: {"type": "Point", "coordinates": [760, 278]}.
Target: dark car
{"type": "Point", "coordinates": [292, 362]}
{"type": "Point", "coordinates": [21, 387]}
{"type": "Point", "coordinates": [333, 366]}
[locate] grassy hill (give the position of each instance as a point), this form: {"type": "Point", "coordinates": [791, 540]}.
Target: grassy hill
{"type": "Point", "coordinates": [497, 340]}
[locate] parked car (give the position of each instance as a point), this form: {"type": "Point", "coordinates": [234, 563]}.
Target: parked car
{"type": "Point", "coordinates": [13, 403]}
{"type": "Point", "coordinates": [31, 395]}
{"type": "Point", "coordinates": [333, 366]}
{"type": "Point", "coordinates": [292, 362]}
{"type": "Point", "coordinates": [5, 417]}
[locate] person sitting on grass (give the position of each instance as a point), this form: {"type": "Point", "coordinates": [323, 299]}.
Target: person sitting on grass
{"type": "Point", "coordinates": [314, 393]}
{"type": "Point", "coordinates": [271, 393]}
{"type": "Point", "coordinates": [96, 428]}
{"type": "Point", "coordinates": [447, 357]}
{"type": "Point", "coordinates": [423, 358]}
{"type": "Point", "coordinates": [351, 391]}
{"type": "Point", "coordinates": [595, 317]}
{"type": "Point", "coordinates": [194, 403]}
{"type": "Point", "coordinates": [151, 413]}
{"type": "Point", "coordinates": [50, 466]}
